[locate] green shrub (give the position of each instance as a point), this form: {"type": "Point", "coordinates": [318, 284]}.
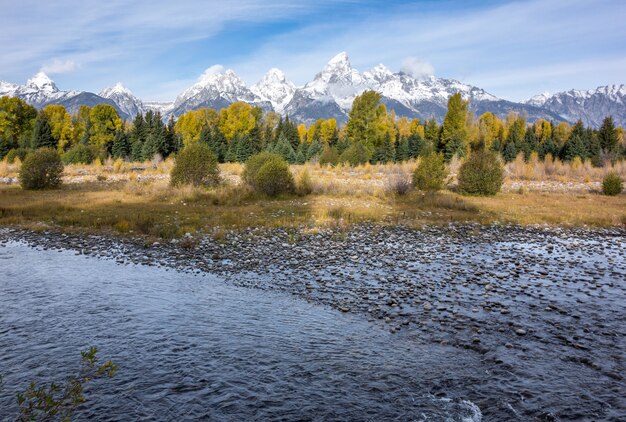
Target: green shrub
{"type": "Point", "coordinates": [41, 169]}
{"type": "Point", "coordinates": [16, 153]}
{"type": "Point", "coordinates": [195, 165]}
{"type": "Point", "coordinates": [355, 155]}
{"type": "Point", "coordinates": [254, 164]}
{"type": "Point", "coordinates": [274, 178]}
{"type": "Point", "coordinates": [329, 157]}
{"type": "Point", "coordinates": [431, 173]}
{"type": "Point", "coordinates": [79, 154]}
{"type": "Point", "coordinates": [481, 174]}
{"type": "Point", "coordinates": [612, 184]}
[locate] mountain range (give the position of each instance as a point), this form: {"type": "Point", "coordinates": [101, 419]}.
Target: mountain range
{"type": "Point", "coordinates": [330, 94]}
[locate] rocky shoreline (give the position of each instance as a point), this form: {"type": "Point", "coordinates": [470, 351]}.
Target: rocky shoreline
{"type": "Point", "coordinates": [518, 296]}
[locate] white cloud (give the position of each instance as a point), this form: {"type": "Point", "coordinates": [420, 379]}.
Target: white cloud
{"type": "Point", "coordinates": [213, 70]}
{"type": "Point", "coordinates": [56, 66]}
{"type": "Point", "coordinates": [417, 68]}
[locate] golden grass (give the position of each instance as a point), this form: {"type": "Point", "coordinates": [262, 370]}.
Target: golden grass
{"type": "Point", "coordinates": [136, 198]}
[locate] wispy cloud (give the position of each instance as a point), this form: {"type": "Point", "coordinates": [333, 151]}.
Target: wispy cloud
{"type": "Point", "coordinates": [417, 68]}
{"type": "Point", "coordinates": [157, 46]}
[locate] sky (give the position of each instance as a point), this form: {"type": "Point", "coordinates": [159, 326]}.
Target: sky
{"type": "Point", "coordinates": [512, 49]}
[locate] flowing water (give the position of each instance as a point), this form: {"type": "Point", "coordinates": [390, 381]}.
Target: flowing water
{"type": "Point", "coordinates": [194, 347]}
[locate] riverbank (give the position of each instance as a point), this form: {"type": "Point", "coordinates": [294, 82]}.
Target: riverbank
{"type": "Point", "coordinates": [523, 298]}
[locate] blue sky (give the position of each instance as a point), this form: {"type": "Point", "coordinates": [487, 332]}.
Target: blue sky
{"type": "Point", "coordinates": [513, 49]}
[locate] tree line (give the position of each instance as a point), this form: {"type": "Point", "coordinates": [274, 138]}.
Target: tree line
{"type": "Point", "coordinates": [235, 133]}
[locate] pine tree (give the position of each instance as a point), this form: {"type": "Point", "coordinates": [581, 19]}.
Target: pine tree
{"type": "Point", "coordinates": [454, 132]}
{"type": "Point", "coordinates": [42, 133]}
{"type": "Point", "coordinates": [384, 152]}
{"type": "Point", "coordinates": [243, 149]}
{"type": "Point", "coordinates": [284, 149]}
{"type": "Point", "coordinates": [529, 144]}
{"type": "Point", "coordinates": [576, 145]}
{"type": "Point", "coordinates": [510, 151]}
{"type": "Point", "coordinates": [121, 145]}
{"type": "Point", "coordinates": [416, 145]}
{"type": "Point", "coordinates": [432, 131]}
{"type": "Point", "coordinates": [403, 150]}
{"type": "Point", "coordinates": [314, 150]}
{"type": "Point", "coordinates": [607, 135]}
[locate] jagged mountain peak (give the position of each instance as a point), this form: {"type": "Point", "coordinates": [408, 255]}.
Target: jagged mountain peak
{"type": "Point", "coordinates": [42, 82]}
{"type": "Point", "coordinates": [379, 73]}
{"type": "Point", "coordinates": [118, 88]}
{"type": "Point", "coordinates": [124, 98]}
{"type": "Point", "coordinates": [275, 88]}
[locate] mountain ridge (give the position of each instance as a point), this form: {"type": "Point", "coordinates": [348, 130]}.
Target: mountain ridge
{"type": "Point", "coordinates": [330, 95]}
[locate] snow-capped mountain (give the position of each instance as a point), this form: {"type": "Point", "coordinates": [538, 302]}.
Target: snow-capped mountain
{"type": "Point", "coordinates": [40, 90]}
{"type": "Point", "coordinates": [275, 88]}
{"type": "Point", "coordinates": [216, 89]}
{"type": "Point", "coordinates": [330, 95]}
{"type": "Point", "coordinates": [124, 98]}
{"type": "Point", "coordinates": [333, 90]}
{"type": "Point", "coordinates": [590, 106]}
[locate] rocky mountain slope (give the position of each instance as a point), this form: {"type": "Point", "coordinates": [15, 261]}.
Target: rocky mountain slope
{"type": "Point", "coordinates": [331, 93]}
{"type": "Point", "coordinates": [590, 106]}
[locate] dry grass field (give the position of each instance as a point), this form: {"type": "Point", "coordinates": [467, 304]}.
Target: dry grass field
{"type": "Point", "coordinates": [136, 198]}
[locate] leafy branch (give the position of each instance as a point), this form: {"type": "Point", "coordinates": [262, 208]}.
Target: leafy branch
{"type": "Point", "coordinates": [44, 403]}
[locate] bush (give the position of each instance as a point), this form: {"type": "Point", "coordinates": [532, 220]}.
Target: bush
{"type": "Point", "coordinates": [329, 157]}
{"type": "Point", "coordinates": [254, 164]}
{"type": "Point", "coordinates": [431, 173]}
{"type": "Point", "coordinates": [399, 185]}
{"type": "Point", "coordinates": [195, 165]}
{"type": "Point", "coordinates": [41, 169]}
{"type": "Point", "coordinates": [16, 153]}
{"type": "Point", "coordinates": [481, 174]}
{"type": "Point", "coordinates": [79, 154]}
{"type": "Point", "coordinates": [355, 155]}
{"type": "Point", "coordinates": [612, 184]}
{"type": "Point", "coordinates": [305, 186]}
{"type": "Point", "coordinates": [274, 178]}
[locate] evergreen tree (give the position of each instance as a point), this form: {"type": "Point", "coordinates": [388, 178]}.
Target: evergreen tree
{"type": "Point", "coordinates": [284, 149]}
{"type": "Point", "coordinates": [170, 137]}
{"type": "Point", "coordinates": [607, 136]}
{"type": "Point", "coordinates": [121, 145]}
{"type": "Point", "coordinates": [384, 152]}
{"type": "Point", "coordinates": [432, 131]}
{"type": "Point", "coordinates": [416, 145]}
{"type": "Point", "coordinates": [576, 145]}
{"type": "Point", "coordinates": [403, 150]}
{"type": "Point", "coordinates": [231, 153]}
{"type": "Point", "coordinates": [529, 144]}
{"type": "Point", "coordinates": [454, 132]}
{"type": "Point", "coordinates": [243, 148]}
{"type": "Point", "coordinates": [255, 139]}
{"type": "Point", "coordinates": [510, 151]}
{"type": "Point", "coordinates": [84, 139]}
{"type": "Point", "coordinates": [42, 133]}
{"type": "Point", "coordinates": [315, 149]}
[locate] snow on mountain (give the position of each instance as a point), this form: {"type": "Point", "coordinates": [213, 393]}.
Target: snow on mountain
{"type": "Point", "coordinates": [340, 83]}
{"type": "Point", "coordinates": [40, 90]}
{"type": "Point", "coordinates": [164, 108]}
{"type": "Point", "coordinates": [124, 98]}
{"type": "Point", "coordinates": [539, 99]}
{"type": "Point", "coordinates": [590, 106]}
{"type": "Point", "coordinates": [330, 95]}
{"type": "Point", "coordinates": [216, 89]}
{"type": "Point", "coordinates": [8, 89]}
{"type": "Point", "coordinates": [275, 88]}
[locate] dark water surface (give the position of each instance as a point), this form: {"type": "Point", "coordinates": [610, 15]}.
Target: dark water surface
{"type": "Point", "coordinates": [196, 347]}
{"type": "Point", "coordinates": [191, 347]}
